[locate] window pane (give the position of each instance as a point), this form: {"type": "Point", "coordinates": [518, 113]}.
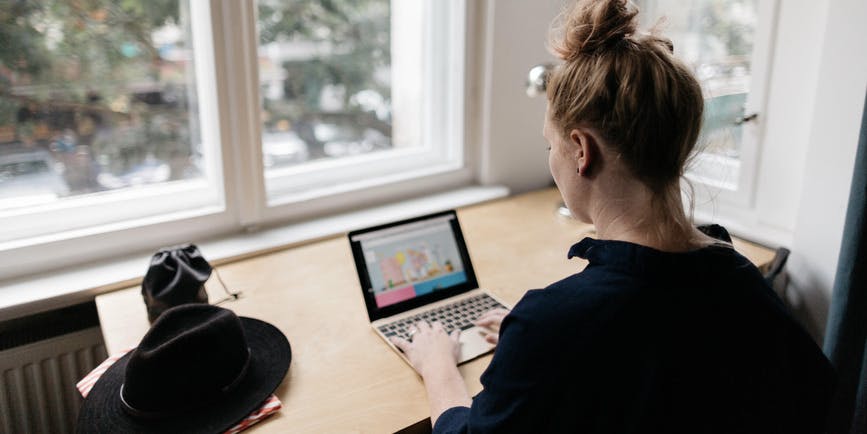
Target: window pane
{"type": "Point", "coordinates": [327, 75]}
{"type": "Point", "coordinates": [95, 96]}
{"type": "Point", "coordinates": [715, 37]}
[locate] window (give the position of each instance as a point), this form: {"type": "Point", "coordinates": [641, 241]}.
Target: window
{"type": "Point", "coordinates": [344, 100]}
{"type": "Point", "coordinates": [127, 125]}
{"type": "Point", "coordinates": [98, 116]}
{"type": "Point", "coordinates": [325, 80]}
{"type": "Point", "coordinates": [727, 44]}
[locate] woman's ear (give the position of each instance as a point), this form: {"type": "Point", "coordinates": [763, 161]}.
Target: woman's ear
{"type": "Point", "coordinates": [585, 150]}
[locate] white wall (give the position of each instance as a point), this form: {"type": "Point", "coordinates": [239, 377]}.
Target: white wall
{"type": "Point", "coordinates": [835, 122]}
{"type": "Point", "coordinates": [513, 150]}
{"type": "Point", "coordinates": [791, 93]}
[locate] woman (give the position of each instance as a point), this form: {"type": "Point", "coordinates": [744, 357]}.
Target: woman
{"type": "Point", "coordinates": [666, 329]}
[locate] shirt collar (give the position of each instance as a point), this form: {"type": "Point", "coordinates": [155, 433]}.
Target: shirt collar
{"type": "Point", "coordinates": [582, 248]}
{"type": "Point", "coordinates": [638, 259]}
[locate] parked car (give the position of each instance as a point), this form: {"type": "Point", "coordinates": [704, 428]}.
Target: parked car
{"type": "Point", "coordinates": [150, 171]}
{"type": "Point", "coordinates": [283, 149]}
{"type": "Point", "coordinates": [29, 177]}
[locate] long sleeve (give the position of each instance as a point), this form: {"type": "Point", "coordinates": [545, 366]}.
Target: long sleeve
{"type": "Point", "coordinates": [517, 384]}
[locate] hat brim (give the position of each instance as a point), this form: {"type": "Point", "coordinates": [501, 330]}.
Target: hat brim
{"type": "Point", "coordinates": [270, 354]}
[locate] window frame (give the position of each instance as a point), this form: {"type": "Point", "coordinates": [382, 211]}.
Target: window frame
{"type": "Point", "coordinates": [451, 167]}
{"type": "Point", "coordinates": [712, 194]}
{"type": "Point", "coordinates": [226, 44]}
{"type": "Point", "coordinates": [441, 133]}
{"type": "Point", "coordinates": [743, 197]}
{"type": "Point", "coordinates": [82, 215]}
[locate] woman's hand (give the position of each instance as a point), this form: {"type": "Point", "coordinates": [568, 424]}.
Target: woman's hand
{"type": "Point", "coordinates": [431, 350]}
{"type": "Point", "coordinates": [490, 321]}
{"type": "Point", "coordinates": [434, 355]}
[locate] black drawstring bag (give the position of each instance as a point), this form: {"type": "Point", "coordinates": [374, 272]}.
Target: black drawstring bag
{"type": "Point", "coordinates": [176, 276]}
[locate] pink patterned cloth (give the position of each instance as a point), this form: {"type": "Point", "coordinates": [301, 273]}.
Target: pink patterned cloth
{"type": "Point", "coordinates": [270, 406]}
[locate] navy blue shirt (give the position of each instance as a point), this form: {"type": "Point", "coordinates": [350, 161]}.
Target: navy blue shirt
{"type": "Point", "coordinates": [647, 341]}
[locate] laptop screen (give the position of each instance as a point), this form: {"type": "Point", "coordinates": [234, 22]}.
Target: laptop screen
{"type": "Point", "coordinates": [409, 263]}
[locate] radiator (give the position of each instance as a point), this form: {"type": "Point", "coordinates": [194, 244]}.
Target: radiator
{"type": "Point", "coordinates": [37, 385]}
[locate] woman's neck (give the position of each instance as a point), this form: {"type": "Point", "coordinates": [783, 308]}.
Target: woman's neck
{"type": "Point", "coordinates": [636, 215]}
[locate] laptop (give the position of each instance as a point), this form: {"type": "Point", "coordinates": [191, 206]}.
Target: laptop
{"type": "Point", "coordinates": [419, 269]}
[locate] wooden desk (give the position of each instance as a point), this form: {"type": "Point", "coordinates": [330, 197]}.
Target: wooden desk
{"type": "Point", "coordinates": [343, 378]}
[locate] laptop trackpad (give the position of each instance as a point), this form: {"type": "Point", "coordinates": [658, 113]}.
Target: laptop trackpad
{"type": "Point", "coordinates": [473, 344]}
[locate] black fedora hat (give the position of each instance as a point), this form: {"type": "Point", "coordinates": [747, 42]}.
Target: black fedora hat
{"type": "Point", "coordinates": [199, 369]}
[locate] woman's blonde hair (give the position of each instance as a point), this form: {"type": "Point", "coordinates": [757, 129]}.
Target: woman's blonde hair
{"type": "Point", "coordinates": [626, 85]}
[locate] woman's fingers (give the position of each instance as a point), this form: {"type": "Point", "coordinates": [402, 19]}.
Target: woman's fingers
{"type": "Point", "coordinates": [494, 313]}
{"type": "Point", "coordinates": [400, 343]}
{"type": "Point", "coordinates": [491, 318]}
{"type": "Point", "coordinates": [486, 320]}
{"type": "Point", "coordinates": [428, 343]}
{"type": "Point", "coordinates": [490, 337]}
{"type": "Point", "coordinates": [455, 336]}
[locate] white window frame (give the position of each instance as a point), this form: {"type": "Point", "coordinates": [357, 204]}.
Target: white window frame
{"type": "Point", "coordinates": [442, 133]}
{"type": "Point", "coordinates": [742, 210]}
{"type": "Point", "coordinates": [101, 212]}
{"type": "Point", "coordinates": [321, 187]}
{"type": "Point", "coordinates": [224, 34]}
{"type": "Point", "coordinates": [741, 195]}
{"type": "Point", "coordinates": [711, 175]}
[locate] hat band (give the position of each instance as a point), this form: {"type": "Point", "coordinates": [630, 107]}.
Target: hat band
{"type": "Point", "coordinates": [149, 414]}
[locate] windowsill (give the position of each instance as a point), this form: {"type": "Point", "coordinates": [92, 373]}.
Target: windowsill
{"type": "Point", "coordinates": [745, 225]}
{"type": "Point", "coordinates": [53, 290]}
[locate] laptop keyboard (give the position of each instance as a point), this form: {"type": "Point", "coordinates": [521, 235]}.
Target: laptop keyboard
{"type": "Point", "coordinates": [458, 315]}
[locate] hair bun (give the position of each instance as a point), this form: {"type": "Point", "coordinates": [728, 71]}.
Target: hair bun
{"type": "Point", "coordinates": [591, 25]}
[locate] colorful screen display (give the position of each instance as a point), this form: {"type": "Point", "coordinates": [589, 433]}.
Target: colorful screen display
{"type": "Point", "coordinates": [407, 261]}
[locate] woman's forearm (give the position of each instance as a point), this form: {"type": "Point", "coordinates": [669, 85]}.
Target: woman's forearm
{"type": "Point", "coordinates": [445, 389]}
